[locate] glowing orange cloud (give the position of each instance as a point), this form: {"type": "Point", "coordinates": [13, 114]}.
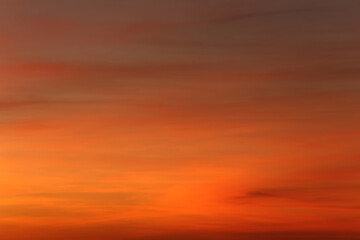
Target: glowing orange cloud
{"type": "Point", "coordinates": [141, 120]}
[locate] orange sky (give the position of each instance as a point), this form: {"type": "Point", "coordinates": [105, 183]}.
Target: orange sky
{"type": "Point", "coordinates": [182, 119]}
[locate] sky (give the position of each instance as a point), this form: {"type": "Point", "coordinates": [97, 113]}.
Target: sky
{"type": "Point", "coordinates": [181, 119]}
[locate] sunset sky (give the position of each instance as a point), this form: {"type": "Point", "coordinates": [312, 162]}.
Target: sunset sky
{"type": "Point", "coordinates": [179, 119]}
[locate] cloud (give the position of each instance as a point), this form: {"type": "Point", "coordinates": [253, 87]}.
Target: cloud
{"type": "Point", "coordinates": [260, 235]}
{"type": "Point", "coordinates": [112, 198]}
{"type": "Point", "coordinates": [229, 18]}
{"type": "Point", "coordinates": [21, 211]}
{"type": "Point", "coordinates": [317, 188]}
{"type": "Point", "coordinates": [183, 119]}
{"type": "Point", "coordinates": [116, 231]}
